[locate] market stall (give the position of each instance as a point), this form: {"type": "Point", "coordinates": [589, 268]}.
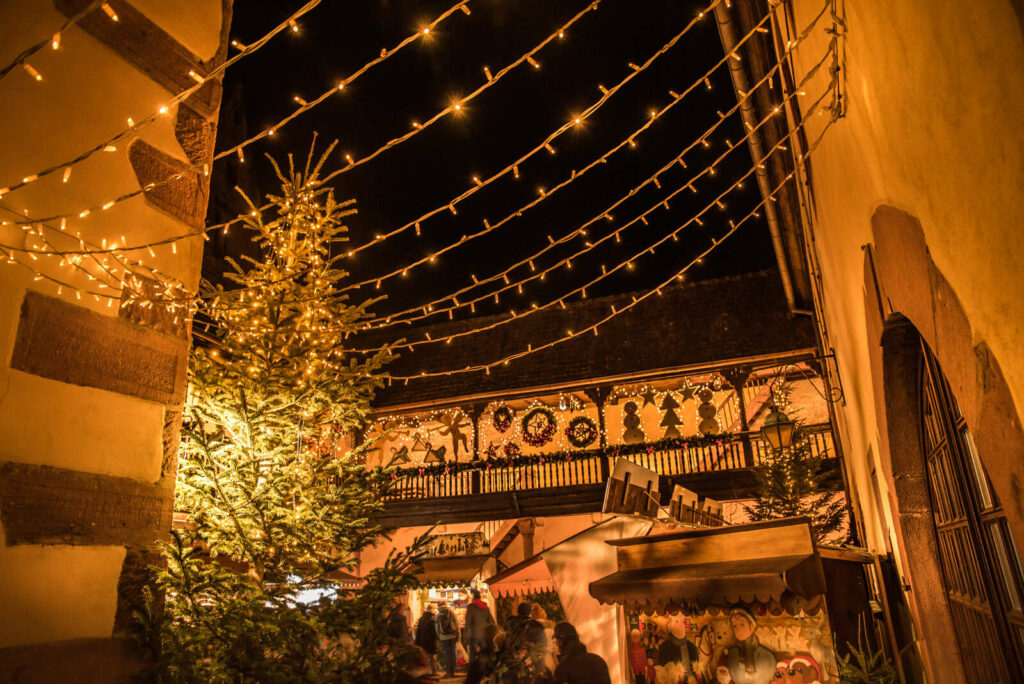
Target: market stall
{"type": "Point", "coordinates": [449, 572]}
{"type": "Point", "coordinates": [743, 604]}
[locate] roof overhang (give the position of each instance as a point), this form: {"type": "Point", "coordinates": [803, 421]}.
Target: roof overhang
{"type": "Point", "coordinates": [451, 571]}
{"type": "Point", "coordinates": [752, 562]}
{"type": "Point", "coordinates": [530, 576]}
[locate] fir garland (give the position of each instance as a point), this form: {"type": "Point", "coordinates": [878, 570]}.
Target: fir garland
{"type": "Point", "coordinates": [541, 438]}
{"type": "Point", "coordinates": [563, 455]}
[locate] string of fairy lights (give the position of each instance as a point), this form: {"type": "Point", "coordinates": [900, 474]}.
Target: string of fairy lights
{"type": "Point", "coordinates": [454, 107]}
{"type": "Point", "coordinates": [186, 305]}
{"type": "Point", "coordinates": [429, 309]}
{"type": "Point", "coordinates": [594, 327]}
{"type": "Point", "coordinates": [542, 274]}
{"type": "Point", "coordinates": [626, 263]}
{"type": "Point", "coordinates": [54, 41]}
{"type": "Point", "coordinates": [113, 265]}
{"type": "Point", "coordinates": [607, 93]}
{"type": "Point", "coordinates": [133, 127]}
{"type": "Point", "coordinates": [49, 249]}
{"type": "Point", "coordinates": [172, 291]}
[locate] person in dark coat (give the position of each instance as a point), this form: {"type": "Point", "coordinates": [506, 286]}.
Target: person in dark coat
{"type": "Point", "coordinates": [478, 618]}
{"type": "Point", "coordinates": [524, 649]}
{"type": "Point", "coordinates": [398, 626]}
{"type": "Point", "coordinates": [481, 663]}
{"type": "Point", "coordinates": [448, 634]}
{"type": "Point", "coordinates": [575, 665]}
{"type": "Point", "coordinates": [516, 623]}
{"type": "Point", "coordinates": [426, 634]}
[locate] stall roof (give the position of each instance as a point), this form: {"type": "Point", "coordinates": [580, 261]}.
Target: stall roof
{"type": "Point", "coordinates": [533, 570]}
{"type": "Point", "coordinates": [454, 570]}
{"type": "Point", "coordinates": [526, 577]}
{"type": "Point", "coordinates": [757, 561]}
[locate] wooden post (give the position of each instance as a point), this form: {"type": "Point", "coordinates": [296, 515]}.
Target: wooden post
{"type": "Point", "coordinates": [475, 411]}
{"type": "Point", "coordinates": [599, 395]}
{"type": "Point", "coordinates": [737, 377]}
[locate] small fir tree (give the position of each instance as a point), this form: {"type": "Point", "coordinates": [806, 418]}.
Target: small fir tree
{"type": "Point", "coordinates": [273, 511]}
{"type": "Point", "coordinates": [792, 482]}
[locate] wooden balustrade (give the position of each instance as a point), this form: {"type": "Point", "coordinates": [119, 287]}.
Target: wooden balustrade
{"type": "Point", "coordinates": [722, 456]}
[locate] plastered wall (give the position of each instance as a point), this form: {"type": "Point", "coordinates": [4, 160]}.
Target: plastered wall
{"type": "Point", "coordinates": [59, 591]}
{"type": "Point", "coordinates": [934, 95]}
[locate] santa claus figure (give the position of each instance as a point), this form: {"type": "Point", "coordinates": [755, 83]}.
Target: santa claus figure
{"type": "Point", "coordinates": [803, 669]}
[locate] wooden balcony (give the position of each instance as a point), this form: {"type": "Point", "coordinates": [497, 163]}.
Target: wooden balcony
{"type": "Point", "coordinates": [722, 471]}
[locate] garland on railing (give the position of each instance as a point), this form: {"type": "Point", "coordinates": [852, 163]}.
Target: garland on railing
{"type": "Point", "coordinates": [563, 456]}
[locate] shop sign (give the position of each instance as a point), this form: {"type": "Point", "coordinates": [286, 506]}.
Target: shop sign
{"type": "Point", "coordinates": [458, 544]}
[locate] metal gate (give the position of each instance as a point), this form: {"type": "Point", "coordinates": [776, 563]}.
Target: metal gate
{"type": "Point", "coordinates": [980, 563]}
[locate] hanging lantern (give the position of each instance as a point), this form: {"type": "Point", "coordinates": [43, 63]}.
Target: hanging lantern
{"type": "Point", "coordinates": [778, 429]}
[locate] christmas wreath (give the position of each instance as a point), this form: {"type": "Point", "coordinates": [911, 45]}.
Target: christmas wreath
{"type": "Point", "coordinates": [581, 432]}
{"type": "Point", "coordinates": [539, 426]}
{"type": "Point", "coordinates": [501, 419]}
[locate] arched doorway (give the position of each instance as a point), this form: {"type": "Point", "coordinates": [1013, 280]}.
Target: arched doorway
{"type": "Point", "coordinates": [979, 561]}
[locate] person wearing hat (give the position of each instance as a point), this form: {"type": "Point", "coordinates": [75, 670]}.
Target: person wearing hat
{"type": "Point", "coordinates": [517, 623]}
{"type": "Point", "coordinates": [748, 661]}
{"type": "Point", "coordinates": [575, 664]}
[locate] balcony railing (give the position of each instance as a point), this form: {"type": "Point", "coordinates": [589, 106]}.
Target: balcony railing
{"type": "Point", "coordinates": [734, 452]}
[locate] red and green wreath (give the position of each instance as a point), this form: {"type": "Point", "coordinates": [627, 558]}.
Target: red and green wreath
{"type": "Point", "coordinates": [501, 419]}
{"type": "Point", "coordinates": [539, 426]}
{"type": "Point", "coordinates": [581, 432]}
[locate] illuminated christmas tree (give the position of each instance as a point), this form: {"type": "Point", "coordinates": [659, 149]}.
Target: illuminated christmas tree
{"type": "Point", "coordinates": [265, 491]}
{"type": "Point", "coordinates": [794, 482]}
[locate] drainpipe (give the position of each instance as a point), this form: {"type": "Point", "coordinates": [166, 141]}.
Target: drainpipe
{"type": "Point", "coordinates": [727, 31]}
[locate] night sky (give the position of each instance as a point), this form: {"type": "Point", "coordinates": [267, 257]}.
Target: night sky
{"type": "Point", "coordinates": [512, 117]}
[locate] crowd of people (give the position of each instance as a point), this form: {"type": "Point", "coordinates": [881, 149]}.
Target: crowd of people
{"type": "Point", "coordinates": [527, 649]}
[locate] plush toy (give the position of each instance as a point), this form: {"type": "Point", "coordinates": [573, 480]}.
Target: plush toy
{"type": "Point", "coordinates": [803, 669]}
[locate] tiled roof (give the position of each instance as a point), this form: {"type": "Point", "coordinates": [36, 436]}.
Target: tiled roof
{"type": "Point", "coordinates": [689, 324]}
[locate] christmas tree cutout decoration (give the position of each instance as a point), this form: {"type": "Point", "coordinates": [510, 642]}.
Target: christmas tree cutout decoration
{"type": "Point", "coordinates": [671, 421]}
